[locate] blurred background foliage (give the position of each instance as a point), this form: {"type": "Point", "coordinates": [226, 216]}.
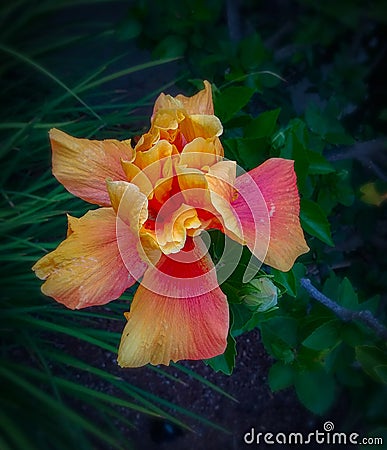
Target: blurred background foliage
{"type": "Point", "coordinates": [302, 80]}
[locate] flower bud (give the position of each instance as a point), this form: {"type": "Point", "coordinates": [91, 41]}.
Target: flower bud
{"type": "Point", "coordinates": [261, 294]}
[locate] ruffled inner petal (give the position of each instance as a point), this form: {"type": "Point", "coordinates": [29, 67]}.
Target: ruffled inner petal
{"type": "Point", "coordinates": [200, 103]}
{"type": "Point", "coordinates": [201, 126]}
{"type": "Point", "coordinates": [212, 192]}
{"type": "Point", "coordinates": [129, 203]}
{"type": "Point", "coordinates": [171, 233]}
{"type": "Point", "coordinates": [201, 153]}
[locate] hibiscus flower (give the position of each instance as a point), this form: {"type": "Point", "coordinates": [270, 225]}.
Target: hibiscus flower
{"type": "Point", "coordinates": [156, 200]}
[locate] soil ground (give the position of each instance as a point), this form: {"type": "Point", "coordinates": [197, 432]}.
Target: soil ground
{"type": "Point", "coordinates": [255, 406]}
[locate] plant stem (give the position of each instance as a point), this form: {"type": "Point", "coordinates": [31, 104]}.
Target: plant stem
{"type": "Point", "coordinates": [366, 317]}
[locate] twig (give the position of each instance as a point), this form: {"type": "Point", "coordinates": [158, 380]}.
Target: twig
{"type": "Point", "coordinates": [372, 166]}
{"type": "Point", "coordinates": [365, 149]}
{"type": "Point", "coordinates": [366, 317]}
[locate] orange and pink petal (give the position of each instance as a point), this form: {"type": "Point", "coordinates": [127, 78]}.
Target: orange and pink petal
{"type": "Point", "coordinates": [178, 312]}
{"type": "Point", "coordinates": [272, 208]}
{"type": "Point", "coordinates": [83, 165]}
{"type": "Point", "coordinates": [87, 268]}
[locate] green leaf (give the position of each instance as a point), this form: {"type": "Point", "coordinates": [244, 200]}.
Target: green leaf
{"type": "Point", "coordinates": [371, 304]}
{"type": "Point", "coordinates": [325, 336]}
{"type": "Point", "coordinates": [343, 188]}
{"type": "Point", "coordinates": [373, 361]}
{"type": "Point", "coordinates": [295, 147]}
{"type": "Point", "coordinates": [350, 376]}
{"type": "Point", "coordinates": [381, 372]}
{"type": "Point", "coordinates": [128, 29]}
{"type": "Point", "coordinates": [252, 52]}
{"type": "Point", "coordinates": [280, 376]}
{"type": "Point", "coordinates": [326, 124]}
{"type": "Point", "coordinates": [340, 357]}
{"type": "Point", "coordinates": [250, 152]}
{"type": "Point", "coordinates": [231, 100]}
{"type": "Point", "coordinates": [314, 221]}
{"type": "Point", "coordinates": [224, 363]}
{"type": "Point", "coordinates": [347, 296]}
{"type": "Point", "coordinates": [279, 336]}
{"type": "Point", "coordinates": [315, 390]}
{"type": "Point", "coordinates": [241, 315]}
{"type": "Point", "coordinates": [259, 317]}
{"type": "Point", "coordinates": [285, 328]}
{"type": "Point", "coordinates": [299, 271]}
{"type": "Point", "coordinates": [336, 188]}
{"type": "Point", "coordinates": [171, 46]}
{"type": "Point", "coordinates": [239, 120]}
{"type": "Point", "coordinates": [48, 401]}
{"type": "Point", "coordinates": [352, 334]}
{"type": "Point", "coordinates": [286, 279]}
{"type": "Point", "coordinates": [263, 125]}
{"type": "Point", "coordinates": [331, 285]}
{"type": "Point", "coordinates": [318, 164]}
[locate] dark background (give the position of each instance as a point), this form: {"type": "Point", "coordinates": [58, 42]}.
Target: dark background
{"type": "Point", "coordinates": [321, 51]}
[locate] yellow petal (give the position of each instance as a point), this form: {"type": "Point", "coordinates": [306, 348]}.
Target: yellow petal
{"type": "Point", "coordinates": [161, 329]}
{"type": "Point", "coordinates": [129, 203]}
{"type": "Point", "coordinates": [200, 103]}
{"type": "Point", "coordinates": [168, 119]}
{"type": "Point", "coordinates": [166, 102]}
{"type": "Point", "coordinates": [147, 140]}
{"type": "Point", "coordinates": [201, 126]}
{"type": "Point", "coordinates": [192, 179]}
{"type": "Point", "coordinates": [192, 116]}
{"type": "Point", "coordinates": [152, 168]}
{"type": "Point", "coordinates": [157, 152]}
{"type": "Point", "coordinates": [221, 179]}
{"type": "Point", "coordinates": [200, 153]}
{"type": "Point", "coordinates": [83, 165]}
{"type": "Point", "coordinates": [149, 249]}
{"type": "Point", "coordinates": [136, 176]}
{"type": "Point", "coordinates": [162, 189]}
{"type": "Point", "coordinates": [371, 195]}
{"type": "Point", "coordinates": [131, 206]}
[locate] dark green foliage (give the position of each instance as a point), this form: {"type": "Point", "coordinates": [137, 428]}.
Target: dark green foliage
{"type": "Point", "coordinates": [304, 83]}
{"type": "Point", "coordinates": [224, 363]}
